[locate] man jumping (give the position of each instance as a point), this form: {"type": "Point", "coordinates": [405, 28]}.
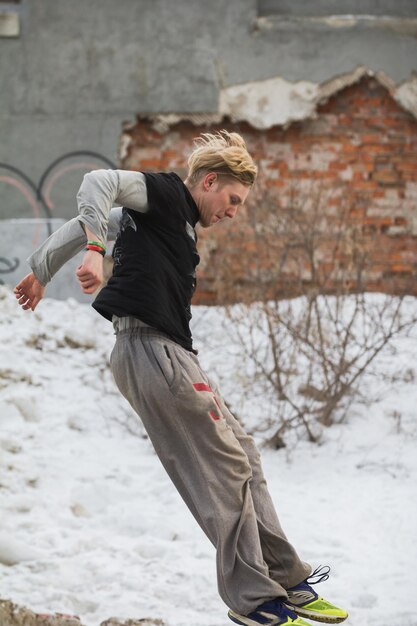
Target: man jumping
{"type": "Point", "coordinates": [212, 462]}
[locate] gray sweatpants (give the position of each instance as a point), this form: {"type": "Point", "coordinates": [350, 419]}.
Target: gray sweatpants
{"type": "Point", "coordinates": [213, 463]}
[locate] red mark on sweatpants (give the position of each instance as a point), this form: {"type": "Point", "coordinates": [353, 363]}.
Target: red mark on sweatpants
{"type": "Point", "coordinates": [201, 387]}
{"type": "Point", "coordinates": [204, 387]}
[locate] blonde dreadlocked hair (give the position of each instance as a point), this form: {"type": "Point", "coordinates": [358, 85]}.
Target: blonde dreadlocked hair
{"type": "Point", "coordinates": [222, 153]}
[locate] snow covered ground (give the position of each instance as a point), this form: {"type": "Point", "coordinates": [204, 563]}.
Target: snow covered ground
{"type": "Point", "coordinates": [90, 523]}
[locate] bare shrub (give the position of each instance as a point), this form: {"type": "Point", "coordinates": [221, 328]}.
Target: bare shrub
{"type": "Point", "coordinates": [311, 332]}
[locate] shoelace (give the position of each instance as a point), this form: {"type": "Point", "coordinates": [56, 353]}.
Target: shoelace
{"type": "Point", "coordinates": [321, 573]}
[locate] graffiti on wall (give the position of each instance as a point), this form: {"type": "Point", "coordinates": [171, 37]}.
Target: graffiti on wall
{"type": "Point", "coordinates": [8, 266]}
{"type": "Point", "coordinates": [30, 211]}
{"type": "Point", "coordinates": [38, 196]}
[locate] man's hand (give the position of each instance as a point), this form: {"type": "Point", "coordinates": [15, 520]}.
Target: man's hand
{"type": "Point", "coordinates": [90, 272]}
{"type": "Point", "coordinates": [29, 292]}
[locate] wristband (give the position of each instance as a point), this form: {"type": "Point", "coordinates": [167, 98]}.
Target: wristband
{"type": "Point", "coordinates": [97, 244]}
{"type": "Point", "coordinates": [99, 249]}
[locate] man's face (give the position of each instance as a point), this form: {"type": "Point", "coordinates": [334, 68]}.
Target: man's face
{"type": "Point", "coordinates": [219, 197]}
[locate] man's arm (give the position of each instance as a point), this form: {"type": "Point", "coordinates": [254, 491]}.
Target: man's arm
{"type": "Point", "coordinates": [99, 191]}
{"type": "Point", "coordinates": [90, 272]}
{"type": "Point", "coordinates": [97, 220]}
{"type": "Point", "coordinates": [102, 189]}
{"type": "Point", "coordinates": [64, 244]}
{"type": "Point", "coordinates": [55, 251]}
{"type": "Point", "coordinates": [47, 259]}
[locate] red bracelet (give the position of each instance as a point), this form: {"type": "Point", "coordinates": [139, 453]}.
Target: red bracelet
{"type": "Point", "coordinates": [96, 249]}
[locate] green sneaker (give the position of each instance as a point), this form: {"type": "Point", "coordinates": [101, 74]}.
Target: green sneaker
{"type": "Point", "coordinates": [303, 600]}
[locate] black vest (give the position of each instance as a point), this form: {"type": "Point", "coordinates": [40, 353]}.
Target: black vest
{"type": "Point", "coordinates": [155, 257]}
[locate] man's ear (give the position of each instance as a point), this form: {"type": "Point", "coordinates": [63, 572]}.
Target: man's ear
{"type": "Point", "coordinates": [208, 180]}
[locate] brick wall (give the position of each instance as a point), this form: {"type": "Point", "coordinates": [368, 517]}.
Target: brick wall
{"type": "Point", "coordinates": [352, 169]}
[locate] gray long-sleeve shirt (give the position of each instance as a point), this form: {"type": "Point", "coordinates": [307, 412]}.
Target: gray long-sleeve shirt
{"type": "Point", "coordinates": [98, 193]}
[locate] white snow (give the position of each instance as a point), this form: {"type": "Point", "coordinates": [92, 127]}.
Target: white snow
{"type": "Point", "coordinates": [90, 523]}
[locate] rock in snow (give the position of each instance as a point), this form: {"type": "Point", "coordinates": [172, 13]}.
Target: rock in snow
{"type": "Point", "coordinates": [13, 615]}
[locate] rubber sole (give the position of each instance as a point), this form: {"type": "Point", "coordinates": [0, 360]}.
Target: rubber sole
{"type": "Point", "coordinates": [324, 619]}
{"type": "Point", "coordinates": [246, 621]}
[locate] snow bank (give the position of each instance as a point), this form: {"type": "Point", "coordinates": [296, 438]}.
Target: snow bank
{"type": "Point", "coordinates": [94, 527]}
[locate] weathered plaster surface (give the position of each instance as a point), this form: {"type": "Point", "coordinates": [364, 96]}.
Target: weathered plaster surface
{"type": "Point", "coordinates": [96, 66]}
{"type": "Point", "coordinates": [268, 102]}
{"type": "Point", "coordinates": [406, 95]}
{"type": "Point", "coordinates": [276, 101]}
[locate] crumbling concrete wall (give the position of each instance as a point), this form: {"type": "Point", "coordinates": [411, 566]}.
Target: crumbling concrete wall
{"type": "Point", "coordinates": [360, 145]}
{"type": "Point", "coordinates": [73, 72]}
